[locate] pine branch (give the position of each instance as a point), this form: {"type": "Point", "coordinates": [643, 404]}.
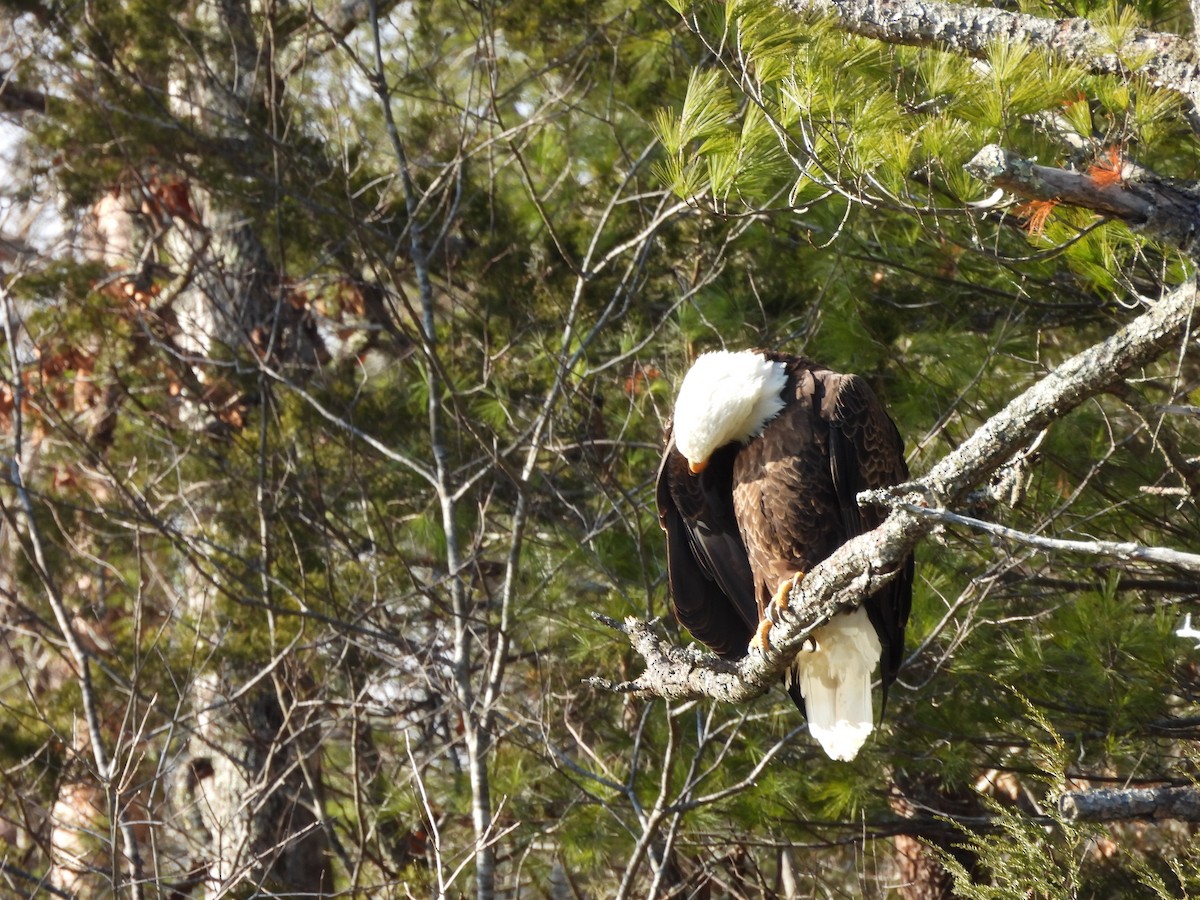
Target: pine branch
{"type": "Point", "coordinates": [1157, 208]}
{"type": "Point", "coordinates": [1114, 805]}
{"type": "Point", "coordinates": [864, 564]}
{"type": "Point", "coordinates": [1166, 59]}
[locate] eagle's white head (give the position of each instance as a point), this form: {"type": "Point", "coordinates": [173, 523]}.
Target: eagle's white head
{"type": "Point", "coordinates": [726, 396]}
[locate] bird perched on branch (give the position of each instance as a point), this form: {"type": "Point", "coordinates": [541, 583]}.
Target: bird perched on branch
{"type": "Point", "coordinates": [764, 459]}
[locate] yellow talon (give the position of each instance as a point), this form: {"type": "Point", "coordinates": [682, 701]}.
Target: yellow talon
{"type": "Point", "coordinates": [783, 593]}
{"type": "Point", "coordinates": [778, 602]}
{"type": "Point", "coordinates": [760, 642]}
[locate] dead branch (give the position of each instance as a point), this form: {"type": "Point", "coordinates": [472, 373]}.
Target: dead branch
{"type": "Point", "coordinates": [1155, 207]}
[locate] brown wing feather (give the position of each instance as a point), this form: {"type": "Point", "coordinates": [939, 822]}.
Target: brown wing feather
{"type": "Point", "coordinates": [867, 452]}
{"type": "Point", "coordinates": [783, 493]}
{"type": "Point", "coordinates": [708, 574]}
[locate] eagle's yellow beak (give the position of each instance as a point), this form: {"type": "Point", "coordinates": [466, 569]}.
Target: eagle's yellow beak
{"type": "Point", "coordinates": [698, 466]}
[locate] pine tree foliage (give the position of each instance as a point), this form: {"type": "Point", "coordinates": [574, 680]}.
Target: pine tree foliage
{"type": "Point", "coordinates": [332, 396]}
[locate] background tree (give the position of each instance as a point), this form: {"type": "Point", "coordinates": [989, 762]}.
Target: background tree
{"type": "Point", "coordinates": [333, 391]}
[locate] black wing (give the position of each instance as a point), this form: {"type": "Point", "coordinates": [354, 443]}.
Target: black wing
{"type": "Point", "coordinates": [708, 573]}
{"type": "Point", "coordinates": [866, 452]}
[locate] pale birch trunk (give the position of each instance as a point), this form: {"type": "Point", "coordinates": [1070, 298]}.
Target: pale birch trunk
{"type": "Point", "coordinates": [248, 782]}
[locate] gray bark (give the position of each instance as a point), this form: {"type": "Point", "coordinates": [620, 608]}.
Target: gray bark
{"type": "Point", "coordinates": [1112, 805]}
{"type": "Point", "coordinates": [1122, 550]}
{"type": "Point", "coordinates": [1165, 59]}
{"type": "Point", "coordinates": [254, 819]}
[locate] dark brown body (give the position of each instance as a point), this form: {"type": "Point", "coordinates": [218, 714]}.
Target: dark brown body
{"type": "Point", "coordinates": [779, 505]}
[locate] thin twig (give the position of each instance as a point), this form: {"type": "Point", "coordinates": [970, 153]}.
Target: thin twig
{"type": "Point", "coordinates": [1124, 550]}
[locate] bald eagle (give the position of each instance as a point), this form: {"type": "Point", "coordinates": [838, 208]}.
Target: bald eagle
{"type": "Point", "coordinates": [764, 458]}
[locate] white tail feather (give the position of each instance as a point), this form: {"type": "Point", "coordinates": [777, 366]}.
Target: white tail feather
{"type": "Point", "coordinates": [836, 682]}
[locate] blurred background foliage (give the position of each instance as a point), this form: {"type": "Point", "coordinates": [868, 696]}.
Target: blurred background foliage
{"type": "Point", "coordinates": [506, 246]}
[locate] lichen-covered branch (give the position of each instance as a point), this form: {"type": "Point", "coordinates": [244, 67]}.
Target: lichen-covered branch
{"type": "Point", "coordinates": [1165, 59]}
{"type": "Point", "coordinates": [692, 672]}
{"type": "Point", "coordinates": [1114, 805]}
{"type": "Point", "coordinates": [862, 565]}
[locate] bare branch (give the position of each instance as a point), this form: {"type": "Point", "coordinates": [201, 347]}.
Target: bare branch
{"type": "Point", "coordinates": [80, 656]}
{"type": "Point", "coordinates": [1124, 550]}
{"type": "Point", "coordinates": [335, 26]}
{"type": "Point", "coordinates": [1113, 805]}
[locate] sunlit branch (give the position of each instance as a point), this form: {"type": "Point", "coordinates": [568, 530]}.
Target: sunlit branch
{"type": "Point", "coordinates": [1114, 805]}
{"type": "Point", "coordinates": [1159, 209]}
{"type": "Point", "coordinates": [1123, 550]}
{"type": "Point", "coordinates": [1165, 59]}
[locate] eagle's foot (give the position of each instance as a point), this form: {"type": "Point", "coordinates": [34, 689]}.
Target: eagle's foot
{"type": "Point", "coordinates": [779, 602]}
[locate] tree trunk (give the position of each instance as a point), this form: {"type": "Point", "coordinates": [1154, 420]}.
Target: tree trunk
{"type": "Point", "coordinates": [249, 781]}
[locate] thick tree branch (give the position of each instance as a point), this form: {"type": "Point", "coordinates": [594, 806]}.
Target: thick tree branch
{"type": "Point", "coordinates": [863, 565]}
{"type": "Point", "coordinates": [1105, 805]}
{"type": "Point", "coordinates": [1157, 208]}
{"type": "Point", "coordinates": [692, 672]}
{"type": "Point", "coordinates": [15, 98]}
{"type": "Point", "coordinates": [1166, 59]}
